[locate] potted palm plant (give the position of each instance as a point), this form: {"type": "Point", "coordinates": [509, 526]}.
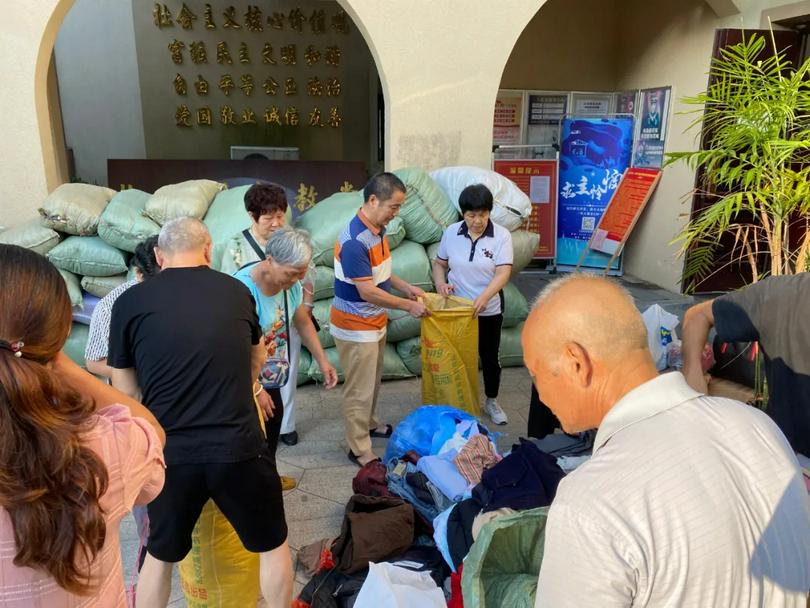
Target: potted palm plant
{"type": "Point", "coordinates": [754, 164]}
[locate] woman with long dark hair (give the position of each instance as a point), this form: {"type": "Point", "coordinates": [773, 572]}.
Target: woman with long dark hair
{"type": "Point", "coordinates": [75, 454]}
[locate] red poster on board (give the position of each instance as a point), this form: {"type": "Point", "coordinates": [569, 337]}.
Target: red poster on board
{"type": "Point", "coordinates": [538, 179]}
{"type": "Point", "coordinates": [624, 209]}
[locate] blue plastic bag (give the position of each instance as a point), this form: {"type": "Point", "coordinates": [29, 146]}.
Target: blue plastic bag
{"type": "Point", "coordinates": [417, 431]}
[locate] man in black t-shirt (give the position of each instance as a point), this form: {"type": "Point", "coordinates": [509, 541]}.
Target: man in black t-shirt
{"type": "Point", "coordinates": [776, 313]}
{"type": "Point", "coordinates": [188, 342]}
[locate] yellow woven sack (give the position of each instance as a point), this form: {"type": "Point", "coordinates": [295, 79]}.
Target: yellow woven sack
{"type": "Point", "coordinates": [450, 353]}
{"type": "Point", "coordinates": [218, 572]}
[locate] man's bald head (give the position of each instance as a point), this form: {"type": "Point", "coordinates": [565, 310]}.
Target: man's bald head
{"type": "Point", "coordinates": [582, 332]}
{"type": "Point", "coordinates": [593, 311]}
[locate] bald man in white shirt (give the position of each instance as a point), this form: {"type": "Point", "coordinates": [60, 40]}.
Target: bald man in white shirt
{"type": "Point", "coordinates": [688, 500]}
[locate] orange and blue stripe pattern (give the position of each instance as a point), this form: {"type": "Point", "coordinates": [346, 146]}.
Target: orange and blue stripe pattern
{"type": "Point", "coordinates": [361, 254]}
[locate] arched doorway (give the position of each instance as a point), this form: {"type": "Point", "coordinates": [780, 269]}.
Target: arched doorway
{"type": "Point", "coordinates": [438, 87]}
{"type": "Point", "coordinates": [183, 82]}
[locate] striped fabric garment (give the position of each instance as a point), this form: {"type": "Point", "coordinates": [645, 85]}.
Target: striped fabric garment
{"type": "Point", "coordinates": [477, 455]}
{"type": "Point", "coordinates": [362, 253]}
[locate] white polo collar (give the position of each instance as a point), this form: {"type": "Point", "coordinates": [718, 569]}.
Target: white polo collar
{"type": "Point", "coordinates": [488, 231]}
{"type": "Point", "coordinates": [651, 398]}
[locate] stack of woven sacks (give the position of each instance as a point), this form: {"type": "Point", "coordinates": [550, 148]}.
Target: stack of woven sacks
{"type": "Point", "coordinates": [414, 239]}
{"type": "Point", "coordinates": [89, 232]}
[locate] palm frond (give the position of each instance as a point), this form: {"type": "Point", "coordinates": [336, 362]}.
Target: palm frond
{"type": "Point", "coordinates": [754, 159]}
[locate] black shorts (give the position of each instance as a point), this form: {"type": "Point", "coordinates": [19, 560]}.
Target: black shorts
{"type": "Point", "coordinates": [248, 493]}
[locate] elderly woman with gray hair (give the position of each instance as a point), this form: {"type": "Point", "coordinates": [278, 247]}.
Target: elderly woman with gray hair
{"type": "Point", "coordinates": [275, 284]}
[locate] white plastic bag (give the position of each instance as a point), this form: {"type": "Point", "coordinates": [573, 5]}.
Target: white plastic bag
{"type": "Point", "coordinates": [395, 587]}
{"type": "Point", "coordinates": [660, 333]}
{"type": "Point", "coordinates": [511, 206]}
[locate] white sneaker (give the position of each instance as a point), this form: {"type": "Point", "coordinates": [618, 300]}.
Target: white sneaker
{"type": "Point", "coordinates": [495, 412]}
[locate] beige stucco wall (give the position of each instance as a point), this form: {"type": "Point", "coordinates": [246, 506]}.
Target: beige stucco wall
{"type": "Point", "coordinates": [23, 167]}
{"type": "Point", "coordinates": [441, 63]}
{"type": "Point", "coordinates": [567, 46]}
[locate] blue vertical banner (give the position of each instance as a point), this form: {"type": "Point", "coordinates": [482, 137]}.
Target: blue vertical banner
{"type": "Point", "coordinates": [594, 153]}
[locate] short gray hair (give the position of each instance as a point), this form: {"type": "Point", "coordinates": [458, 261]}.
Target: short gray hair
{"type": "Point", "coordinates": [183, 234]}
{"type": "Point", "coordinates": [289, 246]}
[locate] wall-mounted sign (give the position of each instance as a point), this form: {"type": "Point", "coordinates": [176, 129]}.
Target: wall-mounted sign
{"type": "Point", "coordinates": [507, 119]}
{"type": "Point", "coordinates": [265, 58]}
{"type": "Point", "coordinates": [591, 104]}
{"type": "Point", "coordinates": [652, 129]}
{"type": "Point", "coordinates": [626, 102]}
{"type": "Point", "coordinates": [538, 179]}
{"type": "Point", "coordinates": [545, 109]}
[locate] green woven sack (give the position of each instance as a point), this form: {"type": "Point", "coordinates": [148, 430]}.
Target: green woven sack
{"type": "Point", "coordinates": [88, 255]}
{"type": "Point", "coordinates": [324, 283]}
{"type": "Point", "coordinates": [304, 363]}
{"type": "Point", "coordinates": [427, 211]}
{"type": "Point", "coordinates": [101, 286]}
{"type": "Point", "coordinates": [515, 306]}
{"type": "Point", "coordinates": [75, 208]}
{"type": "Point", "coordinates": [186, 199]}
{"type": "Point", "coordinates": [393, 367]}
{"type": "Point", "coordinates": [395, 231]}
{"type": "Point", "coordinates": [123, 224]}
{"type": "Point", "coordinates": [504, 561]}
{"type": "Point", "coordinates": [401, 326]}
{"type": "Point", "coordinates": [327, 219]}
{"type": "Point", "coordinates": [31, 235]}
{"type": "Point", "coordinates": [77, 342]}
{"type": "Point", "coordinates": [410, 351]}
{"type": "Point", "coordinates": [524, 244]}
{"type": "Point", "coordinates": [227, 216]}
{"type": "Point", "coordinates": [431, 251]}
{"type": "Point", "coordinates": [73, 287]}
{"type": "Point", "coordinates": [511, 352]}
{"type": "Point", "coordinates": [333, 358]}
{"type": "Point", "coordinates": [410, 263]}
{"type": "Point", "coordinates": [321, 313]}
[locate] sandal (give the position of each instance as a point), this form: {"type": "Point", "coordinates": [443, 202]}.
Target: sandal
{"type": "Point", "coordinates": [383, 435]}
{"type": "Point", "coordinates": [356, 459]}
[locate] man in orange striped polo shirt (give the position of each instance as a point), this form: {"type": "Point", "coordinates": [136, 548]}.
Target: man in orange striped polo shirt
{"type": "Point", "coordinates": [363, 281]}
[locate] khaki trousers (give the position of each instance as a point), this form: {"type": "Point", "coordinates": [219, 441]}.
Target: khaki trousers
{"type": "Point", "coordinates": [362, 364]}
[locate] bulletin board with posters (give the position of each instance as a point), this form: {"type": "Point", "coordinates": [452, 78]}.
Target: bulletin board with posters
{"type": "Point", "coordinates": [538, 179]}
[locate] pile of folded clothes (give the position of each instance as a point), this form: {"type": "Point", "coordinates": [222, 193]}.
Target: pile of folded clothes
{"type": "Point", "coordinates": [419, 512]}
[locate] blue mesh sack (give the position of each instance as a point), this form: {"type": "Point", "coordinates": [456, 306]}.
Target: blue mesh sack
{"type": "Point", "coordinates": [424, 428]}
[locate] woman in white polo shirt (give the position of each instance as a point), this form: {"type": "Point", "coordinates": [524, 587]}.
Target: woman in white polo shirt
{"type": "Point", "coordinates": [474, 261]}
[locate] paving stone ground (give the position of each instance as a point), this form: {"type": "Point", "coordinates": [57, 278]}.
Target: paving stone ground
{"type": "Point", "coordinates": [314, 510]}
